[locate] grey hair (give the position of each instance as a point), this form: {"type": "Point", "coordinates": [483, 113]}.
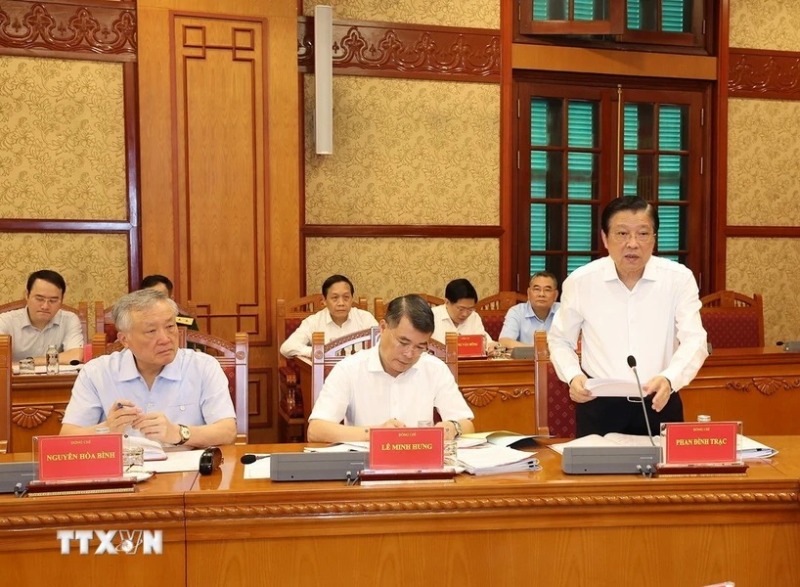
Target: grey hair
{"type": "Point", "coordinates": [413, 307]}
{"type": "Point", "coordinates": [138, 301]}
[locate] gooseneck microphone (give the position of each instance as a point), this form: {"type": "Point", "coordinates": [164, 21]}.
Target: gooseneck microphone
{"type": "Point", "coordinates": [632, 365]}
{"type": "Point", "coordinates": [249, 459]}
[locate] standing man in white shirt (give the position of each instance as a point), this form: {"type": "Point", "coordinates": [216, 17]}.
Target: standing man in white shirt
{"type": "Point", "coordinates": [629, 303]}
{"type": "Point", "coordinates": [458, 314]}
{"type": "Point", "coordinates": [338, 318]}
{"type": "Point", "coordinates": [523, 320]}
{"type": "Point", "coordinates": [42, 322]}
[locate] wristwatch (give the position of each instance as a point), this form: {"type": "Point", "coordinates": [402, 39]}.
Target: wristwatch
{"type": "Point", "coordinates": [457, 426]}
{"type": "Point", "coordinates": [185, 434]}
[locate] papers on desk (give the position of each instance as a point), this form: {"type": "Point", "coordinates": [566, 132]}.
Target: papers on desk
{"type": "Point", "coordinates": [490, 459]}
{"type": "Point", "coordinates": [499, 437]}
{"type": "Point", "coordinates": [340, 447]}
{"type": "Point", "coordinates": [610, 439]}
{"type": "Point", "coordinates": [177, 462]}
{"type": "Point", "coordinates": [747, 448]}
{"type": "Point", "coordinates": [153, 450]}
{"type": "Point", "coordinates": [612, 387]}
{"type": "Point", "coordinates": [258, 470]}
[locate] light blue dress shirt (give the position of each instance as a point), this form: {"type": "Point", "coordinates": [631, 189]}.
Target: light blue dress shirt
{"type": "Point", "coordinates": [521, 322]}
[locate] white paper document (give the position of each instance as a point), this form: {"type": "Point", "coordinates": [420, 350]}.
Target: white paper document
{"type": "Point", "coordinates": [257, 470]}
{"type": "Point", "coordinates": [176, 462]}
{"type": "Point", "coordinates": [492, 459]}
{"type": "Point", "coordinates": [612, 387]}
{"type": "Point", "coordinates": [340, 447]}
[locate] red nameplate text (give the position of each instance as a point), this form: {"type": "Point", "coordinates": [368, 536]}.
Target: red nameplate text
{"type": "Point", "coordinates": [406, 448]}
{"type": "Point", "coordinates": [700, 442]}
{"type": "Point", "coordinates": [471, 346]}
{"type": "Point", "coordinates": [94, 456]}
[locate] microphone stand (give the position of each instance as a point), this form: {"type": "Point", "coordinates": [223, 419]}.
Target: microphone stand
{"type": "Point", "coordinates": [632, 365]}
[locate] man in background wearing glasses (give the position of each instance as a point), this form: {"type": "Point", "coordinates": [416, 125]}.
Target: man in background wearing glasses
{"type": "Point", "coordinates": [394, 384]}
{"type": "Point", "coordinates": [42, 322]}
{"type": "Point", "coordinates": [629, 303]}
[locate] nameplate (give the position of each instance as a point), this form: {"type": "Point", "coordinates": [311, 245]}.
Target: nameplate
{"type": "Point", "coordinates": [471, 346]}
{"type": "Point", "coordinates": [689, 443]}
{"type": "Point", "coordinates": [406, 448]}
{"type": "Point", "coordinates": [94, 456]}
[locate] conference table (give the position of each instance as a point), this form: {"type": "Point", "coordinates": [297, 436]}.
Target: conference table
{"type": "Point", "coordinates": [535, 528]}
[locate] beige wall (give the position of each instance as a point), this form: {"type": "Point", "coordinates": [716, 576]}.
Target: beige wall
{"type": "Point", "coordinates": [406, 152]}
{"type": "Point", "coordinates": [62, 156]}
{"type": "Point", "coordinates": [763, 174]}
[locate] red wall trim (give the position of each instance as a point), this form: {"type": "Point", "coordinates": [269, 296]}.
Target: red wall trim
{"type": "Point", "coordinates": [385, 49]}
{"type": "Point", "coordinates": [46, 225]}
{"type": "Point", "coordinates": [758, 73]}
{"type": "Point", "coordinates": [764, 231]}
{"type": "Point", "coordinates": [101, 30]}
{"type": "Point", "coordinates": [400, 230]}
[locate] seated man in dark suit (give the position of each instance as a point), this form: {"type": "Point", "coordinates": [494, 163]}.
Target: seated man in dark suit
{"type": "Point", "coordinates": [163, 284]}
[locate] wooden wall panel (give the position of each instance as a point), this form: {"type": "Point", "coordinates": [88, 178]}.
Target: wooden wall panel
{"type": "Point", "coordinates": [219, 112]}
{"type": "Point", "coordinates": [220, 164]}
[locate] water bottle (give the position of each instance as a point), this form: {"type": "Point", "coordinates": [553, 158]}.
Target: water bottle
{"type": "Point", "coordinates": [52, 360]}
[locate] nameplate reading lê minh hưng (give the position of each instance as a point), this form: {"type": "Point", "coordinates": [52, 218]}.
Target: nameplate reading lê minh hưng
{"type": "Point", "coordinates": [406, 448]}
{"type": "Point", "coordinates": [94, 456]}
{"type": "Point", "coordinates": [700, 443]}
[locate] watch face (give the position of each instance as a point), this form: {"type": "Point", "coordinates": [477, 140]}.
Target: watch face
{"type": "Point", "coordinates": [185, 433]}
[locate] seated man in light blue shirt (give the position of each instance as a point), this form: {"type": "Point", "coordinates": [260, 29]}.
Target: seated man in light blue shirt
{"type": "Point", "coordinates": [524, 319]}
{"type": "Point", "coordinates": [152, 388]}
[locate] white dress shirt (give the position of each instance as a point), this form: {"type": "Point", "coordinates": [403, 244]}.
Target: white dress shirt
{"type": "Point", "coordinates": [64, 331]}
{"type": "Point", "coordinates": [299, 342]}
{"type": "Point", "coordinates": [361, 393]}
{"type": "Point", "coordinates": [444, 324]}
{"type": "Point", "coordinates": [658, 322]}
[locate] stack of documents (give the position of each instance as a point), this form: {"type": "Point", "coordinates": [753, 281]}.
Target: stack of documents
{"type": "Point", "coordinates": [490, 459]}
{"type": "Point", "coordinates": [340, 447]}
{"type": "Point", "coordinates": [500, 438]}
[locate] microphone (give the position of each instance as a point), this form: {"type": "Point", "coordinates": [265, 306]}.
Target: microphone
{"type": "Point", "coordinates": [249, 459]}
{"type": "Point", "coordinates": [632, 365]}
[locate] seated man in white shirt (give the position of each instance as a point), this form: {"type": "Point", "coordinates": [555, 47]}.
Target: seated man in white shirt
{"type": "Point", "coordinates": [523, 320]}
{"type": "Point", "coordinates": [458, 314]}
{"type": "Point", "coordinates": [152, 388]}
{"type": "Point", "coordinates": [338, 318]}
{"type": "Point", "coordinates": [394, 384]}
{"type": "Point", "coordinates": [42, 322]}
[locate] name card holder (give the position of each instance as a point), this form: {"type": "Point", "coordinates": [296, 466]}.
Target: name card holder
{"type": "Point", "coordinates": [700, 448]}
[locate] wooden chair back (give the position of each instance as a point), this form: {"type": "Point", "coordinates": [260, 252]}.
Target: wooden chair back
{"type": "Point", "coordinates": [104, 319]}
{"type": "Point", "coordinates": [325, 356]}
{"type": "Point", "coordinates": [5, 393]}
{"type": "Point", "coordinates": [289, 315]}
{"type": "Point", "coordinates": [555, 411]}
{"type": "Point", "coordinates": [447, 351]}
{"type": "Point", "coordinates": [733, 320]}
{"type": "Point", "coordinates": [493, 310]}
{"type": "Point", "coordinates": [82, 310]}
{"type": "Point", "coordinates": [380, 305]}
{"type": "Point", "coordinates": [233, 357]}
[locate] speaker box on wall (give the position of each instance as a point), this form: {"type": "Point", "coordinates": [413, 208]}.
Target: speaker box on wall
{"type": "Point", "coordinates": [323, 79]}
